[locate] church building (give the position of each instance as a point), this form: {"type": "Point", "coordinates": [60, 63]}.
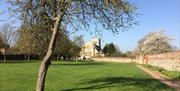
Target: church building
{"type": "Point", "coordinates": [92, 49]}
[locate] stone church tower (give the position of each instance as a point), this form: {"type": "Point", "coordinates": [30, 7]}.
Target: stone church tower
{"type": "Point", "coordinates": [91, 49]}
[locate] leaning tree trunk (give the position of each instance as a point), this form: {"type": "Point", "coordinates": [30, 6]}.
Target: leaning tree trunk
{"type": "Point", "coordinates": [46, 61]}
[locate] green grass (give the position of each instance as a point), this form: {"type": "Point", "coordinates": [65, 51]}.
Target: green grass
{"type": "Point", "coordinates": [174, 75]}
{"type": "Point", "coordinates": [81, 76]}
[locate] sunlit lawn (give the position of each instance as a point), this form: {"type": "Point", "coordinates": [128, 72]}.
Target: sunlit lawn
{"type": "Point", "coordinates": [80, 76]}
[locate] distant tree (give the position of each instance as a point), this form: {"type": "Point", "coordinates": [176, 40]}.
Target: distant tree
{"type": "Point", "coordinates": [155, 43]}
{"type": "Point", "coordinates": [1, 43]}
{"type": "Point", "coordinates": [79, 40]}
{"type": "Point", "coordinates": [7, 36]}
{"type": "Point", "coordinates": [25, 43]}
{"type": "Point", "coordinates": [74, 50]}
{"type": "Point", "coordinates": [119, 52]}
{"type": "Point", "coordinates": [63, 44]}
{"type": "Point", "coordinates": [129, 54]}
{"type": "Point", "coordinates": [111, 15]}
{"type": "Point", "coordinates": [110, 49]}
{"type": "Point", "coordinates": [32, 41]}
{"type": "Point", "coordinates": [70, 48]}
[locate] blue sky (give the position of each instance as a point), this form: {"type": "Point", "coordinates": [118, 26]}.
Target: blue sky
{"type": "Point", "coordinates": [156, 15]}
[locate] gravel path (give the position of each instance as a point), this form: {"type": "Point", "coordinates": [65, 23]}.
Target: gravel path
{"type": "Point", "coordinates": [164, 79]}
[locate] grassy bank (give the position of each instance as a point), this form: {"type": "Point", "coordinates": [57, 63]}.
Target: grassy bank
{"type": "Point", "coordinates": [175, 75]}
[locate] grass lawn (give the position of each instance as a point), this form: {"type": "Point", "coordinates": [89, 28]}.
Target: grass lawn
{"type": "Point", "coordinates": [81, 76]}
{"type": "Point", "coordinates": [175, 75]}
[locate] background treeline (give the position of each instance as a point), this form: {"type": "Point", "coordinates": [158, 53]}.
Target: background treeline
{"type": "Point", "coordinates": [112, 50]}
{"type": "Point", "coordinates": [29, 41]}
{"type": "Point", "coordinates": [155, 42]}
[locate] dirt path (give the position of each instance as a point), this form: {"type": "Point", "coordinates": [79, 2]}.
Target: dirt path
{"type": "Point", "coordinates": [164, 79]}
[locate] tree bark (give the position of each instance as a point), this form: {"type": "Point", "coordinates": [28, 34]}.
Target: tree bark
{"type": "Point", "coordinates": [4, 54]}
{"type": "Point", "coordinates": [4, 57]}
{"type": "Point", "coordinates": [46, 61]}
{"type": "Point", "coordinates": [28, 57]}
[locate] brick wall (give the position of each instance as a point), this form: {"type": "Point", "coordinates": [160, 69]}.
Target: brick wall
{"type": "Point", "coordinates": [171, 55]}
{"type": "Point", "coordinates": [168, 61]}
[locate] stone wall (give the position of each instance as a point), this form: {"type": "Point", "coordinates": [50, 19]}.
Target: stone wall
{"type": "Point", "coordinates": [168, 61]}
{"type": "Point", "coordinates": [168, 64]}
{"type": "Point", "coordinates": [114, 59]}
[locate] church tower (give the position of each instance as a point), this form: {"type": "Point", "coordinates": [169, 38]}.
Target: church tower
{"type": "Point", "coordinates": [91, 48]}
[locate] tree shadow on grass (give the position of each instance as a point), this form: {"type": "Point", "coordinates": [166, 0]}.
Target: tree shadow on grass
{"type": "Point", "coordinates": [147, 84]}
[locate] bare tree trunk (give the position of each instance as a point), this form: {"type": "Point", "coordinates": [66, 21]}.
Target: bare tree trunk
{"type": "Point", "coordinates": [4, 57]}
{"type": "Point", "coordinates": [4, 53]}
{"type": "Point", "coordinates": [76, 58]}
{"type": "Point", "coordinates": [46, 61]}
{"type": "Point", "coordinates": [28, 57]}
